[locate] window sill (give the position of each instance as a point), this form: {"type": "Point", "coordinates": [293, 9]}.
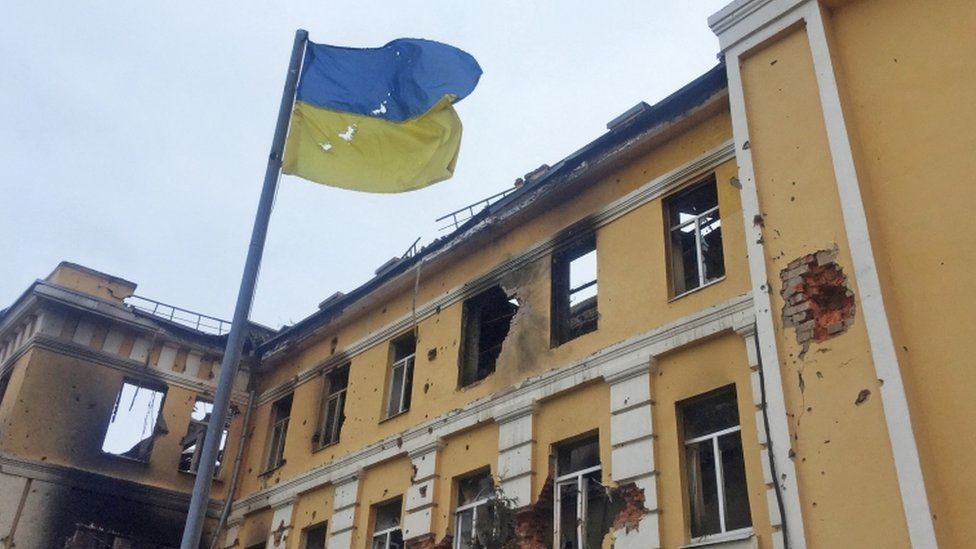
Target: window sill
{"type": "Point", "coordinates": [317, 448]}
{"type": "Point", "coordinates": [193, 474]}
{"type": "Point", "coordinates": [474, 384]}
{"type": "Point", "coordinates": [697, 289]}
{"type": "Point", "coordinates": [742, 538]}
{"type": "Point", "coordinates": [127, 459]}
{"type": "Point", "coordinates": [394, 416]}
{"type": "Point", "coordinates": [268, 472]}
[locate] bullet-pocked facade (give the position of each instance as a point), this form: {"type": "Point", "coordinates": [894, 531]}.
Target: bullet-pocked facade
{"type": "Point", "coordinates": [731, 321]}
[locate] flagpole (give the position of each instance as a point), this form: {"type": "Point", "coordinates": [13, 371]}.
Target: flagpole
{"type": "Point", "coordinates": [197, 512]}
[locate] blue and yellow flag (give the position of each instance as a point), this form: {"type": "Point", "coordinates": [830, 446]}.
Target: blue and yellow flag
{"type": "Point", "coordinates": [379, 120]}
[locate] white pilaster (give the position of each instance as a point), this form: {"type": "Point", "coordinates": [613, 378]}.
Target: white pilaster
{"type": "Point", "coordinates": [230, 535]}
{"type": "Point", "coordinates": [515, 447]}
{"type": "Point", "coordinates": [419, 505]}
{"type": "Point", "coordinates": [632, 442]}
{"type": "Point", "coordinates": [741, 27]}
{"type": "Point", "coordinates": [344, 504]}
{"type": "Point", "coordinates": [281, 524]}
{"type": "Point", "coordinates": [748, 332]}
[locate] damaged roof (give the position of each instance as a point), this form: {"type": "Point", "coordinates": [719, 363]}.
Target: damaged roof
{"type": "Point", "coordinates": [546, 180]}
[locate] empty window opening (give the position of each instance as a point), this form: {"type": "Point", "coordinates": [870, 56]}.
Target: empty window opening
{"type": "Point", "coordinates": [386, 526]}
{"type": "Point", "coordinates": [580, 497]}
{"type": "Point", "coordinates": [574, 291]}
{"type": "Point", "coordinates": [314, 536]}
{"type": "Point", "coordinates": [695, 237]}
{"type": "Point", "coordinates": [402, 353]}
{"type": "Point", "coordinates": [4, 383]}
{"type": "Point", "coordinates": [487, 319]}
{"type": "Point", "coordinates": [473, 494]}
{"type": "Point", "coordinates": [718, 499]}
{"type": "Point", "coordinates": [196, 432]}
{"type": "Point", "coordinates": [334, 410]}
{"type": "Point", "coordinates": [280, 413]}
{"type": "Point", "coordinates": [136, 421]}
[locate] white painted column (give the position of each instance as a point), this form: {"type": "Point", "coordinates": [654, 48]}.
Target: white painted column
{"type": "Point", "coordinates": [233, 530]}
{"type": "Point", "coordinates": [632, 440]}
{"type": "Point", "coordinates": [419, 504]}
{"type": "Point", "coordinates": [748, 332]}
{"type": "Point", "coordinates": [281, 523]}
{"type": "Point", "coordinates": [515, 447]}
{"type": "Point", "coordinates": [344, 504]}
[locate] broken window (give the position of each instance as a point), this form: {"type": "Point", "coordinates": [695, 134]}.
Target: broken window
{"type": "Point", "coordinates": [136, 421]}
{"type": "Point", "coordinates": [196, 432]}
{"type": "Point", "coordinates": [401, 375]}
{"type": "Point", "coordinates": [473, 493]}
{"type": "Point", "coordinates": [334, 411]}
{"type": "Point", "coordinates": [574, 291]}
{"type": "Point", "coordinates": [580, 497]}
{"type": "Point", "coordinates": [4, 383]}
{"type": "Point", "coordinates": [487, 319]}
{"type": "Point", "coordinates": [386, 526]}
{"type": "Point", "coordinates": [314, 536]}
{"type": "Point", "coordinates": [280, 413]}
{"type": "Point", "coordinates": [695, 237]}
{"type": "Point", "coordinates": [716, 475]}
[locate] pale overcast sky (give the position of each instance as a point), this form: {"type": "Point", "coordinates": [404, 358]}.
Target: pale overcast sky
{"type": "Point", "coordinates": [134, 135]}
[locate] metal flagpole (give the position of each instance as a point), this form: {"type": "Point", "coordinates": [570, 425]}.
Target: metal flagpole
{"type": "Point", "coordinates": [197, 512]}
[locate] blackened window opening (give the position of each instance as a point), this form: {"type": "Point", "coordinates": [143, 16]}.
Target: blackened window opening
{"type": "Point", "coordinates": [280, 414]}
{"type": "Point", "coordinates": [574, 291]}
{"type": "Point", "coordinates": [487, 319]}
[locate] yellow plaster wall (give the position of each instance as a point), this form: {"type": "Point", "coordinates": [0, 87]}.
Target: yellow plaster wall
{"type": "Point", "coordinates": [91, 282]}
{"type": "Point", "coordinates": [633, 298]}
{"type": "Point", "coordinates": [380, 484]}
{"type": "Point", "coordinates": [311, 508]}
{"type": "Point", "coordinates": [462, 454]}
{"type": "Point", "coordinates": [848, 488]}
{"type": "Point", "coordinates": [684, 374]}
{"type": "Point", "coordinates": [63, 408]}
{"type": "Point", "coordinates": [908, 75]}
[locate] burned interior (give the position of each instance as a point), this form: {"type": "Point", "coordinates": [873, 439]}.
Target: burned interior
{"type": "Point", "coordinates": [487, 320]}
{"type": "Point", "coordinates": [574, 290]}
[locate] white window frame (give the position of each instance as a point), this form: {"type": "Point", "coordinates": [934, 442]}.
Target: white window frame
{"type": "Point", "coordinates": [387, 533]}
{"type": "Point", "coordinates": [339, 397]}
{"type": "Point", "coordinates": [279, 431]}
{"type": "Point", "coordinates": [473, 508]}
{"type": "Point", "coordinates": [719, 477]}
{"type": "Point", "coordinates": [406, 364]}
{"type": "Point", "coordinates": [696, 220]}
{"type": "Point", "coordinates": [580, 479]}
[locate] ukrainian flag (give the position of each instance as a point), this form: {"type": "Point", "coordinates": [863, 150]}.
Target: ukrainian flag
{"type": "Point", "coordinates": [381, 119]}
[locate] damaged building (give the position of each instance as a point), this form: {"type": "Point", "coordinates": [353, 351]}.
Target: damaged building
{"type": "Point", "coordinates": [729, 321]}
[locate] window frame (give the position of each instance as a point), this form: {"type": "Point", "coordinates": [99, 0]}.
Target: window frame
{"type": "Point", "coordinates": [562, 292]}
{"type": "Point", "coordinates": [696, 220]}
{"type": "Point", "coordinates": [387, 532]}
{"type": "Point", "coordinates": [471, 506]}
{"type": "Point", "coordinates": [714, 438]}
{"type": "Point", "coordinates": [276, 443]}
{"type": "Point", "coordinates": [579, 479]}
{"type": "Point", "coordinates": [201, 436]}
{"type": "Point", "coordinates": [153, 386]}
{"type": "Point", "coordinates": [333, 395]}
{"type": "Point", "coordinates": [406, 364]}
{"type": "Point", "coordinates": [324, 525]}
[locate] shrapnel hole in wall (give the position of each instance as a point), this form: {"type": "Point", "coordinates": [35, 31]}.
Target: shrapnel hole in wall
{"type": "Point", "coordinates": [818, 302]}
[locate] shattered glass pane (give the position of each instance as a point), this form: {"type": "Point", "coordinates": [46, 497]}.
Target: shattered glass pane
{"type": "Point", "coordinates": [734, 476]}
{"type": "Point", "coordinates": [579, 455]}
{"type": "Point", "coordinates": [710, 414]}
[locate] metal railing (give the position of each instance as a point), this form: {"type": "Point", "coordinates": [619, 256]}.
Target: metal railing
{"type": "Point", "coordinates": [457, 217]}
{"type": "Point", "coordinates": [200, 322]}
